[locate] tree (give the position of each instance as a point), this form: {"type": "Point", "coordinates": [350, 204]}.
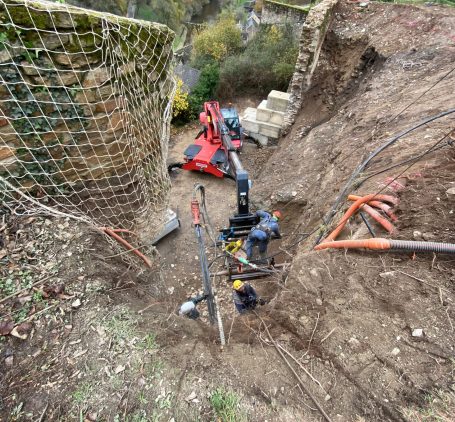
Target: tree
{"type": "Point", "coordinates": [217, 41]}
{"type": "Point", "coordinates": [267, 63]}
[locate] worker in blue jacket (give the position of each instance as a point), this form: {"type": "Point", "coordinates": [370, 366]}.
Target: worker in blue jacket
{"type": "Point", "coordinates": [245, 297]}
{"type": "Point", "coordinates": [262, 232]}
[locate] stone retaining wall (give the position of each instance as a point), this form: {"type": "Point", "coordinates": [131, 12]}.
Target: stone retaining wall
{"type": "Point", "coordinates": [84, 100]}
{"type": "Point", "coordinates": [311, 39]}
{"type": "Point", "coordinates": [277, 13]}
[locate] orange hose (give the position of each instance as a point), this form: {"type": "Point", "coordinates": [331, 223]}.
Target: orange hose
{"type": "Point", "coordinates": [379, 197]}
{"type": "Point", "coordinates": [123, 231]}
{"type": "Point", "coordinates": [378, 204]}
{"type": "Point", "coordinates": [375, 243]}
{"type": "Point", "coordinates": [379, 218]}
{"type": "Point", "coordinates": [127, 245]}
{"type": "Point", "coordinates": [351, 210]}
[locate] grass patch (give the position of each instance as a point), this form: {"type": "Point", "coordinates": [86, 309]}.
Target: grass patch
{"type": "Point", "coordinates": [121, 327]}
{"type": "Point", "coordinates": [148, 343]}
{"type": "Point", "coordinates": [440, 407]}
{"type": "Point", "coordinates": [226, 406]}
{"type": "Point", "coordinates": [82, 394]}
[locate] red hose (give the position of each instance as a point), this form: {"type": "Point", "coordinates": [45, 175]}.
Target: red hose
{"type": "Point", "coordinates": [379, 218]}
{"type": "Point", "coordinates": [353, 208]}
{"type": "Point", "coordinates": [127, 245]}
{"type": "Point", "coordinates": [378, 204]}
{"type": "Point", "coordinates": [396, 245]}
{"type": "Point", "coordinates": [386, 198]}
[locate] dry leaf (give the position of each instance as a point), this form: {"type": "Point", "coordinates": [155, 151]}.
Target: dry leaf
{"type": "Point", "coordinates": [22, 330]}
{"type": "Point", "coordinates": [6, 327]}
{"type": "Point", "coordinates": [119, 369]}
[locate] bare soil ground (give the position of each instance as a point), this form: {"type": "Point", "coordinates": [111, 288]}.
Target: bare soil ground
{"type": "Point", "coordinates": [102, 341]}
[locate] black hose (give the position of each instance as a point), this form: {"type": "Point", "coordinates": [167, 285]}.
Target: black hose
{"type": "Point", "coordinates": [414, 246]}
{"type": "Point", "coordinates": [328, 217]}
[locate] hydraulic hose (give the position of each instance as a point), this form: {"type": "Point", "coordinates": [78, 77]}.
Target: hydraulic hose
{"type": "Point", "coordinates": [389, 244]}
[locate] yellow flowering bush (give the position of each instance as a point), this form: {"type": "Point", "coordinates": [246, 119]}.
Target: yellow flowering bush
{"type": "Point", "coordinates": [180, 104]}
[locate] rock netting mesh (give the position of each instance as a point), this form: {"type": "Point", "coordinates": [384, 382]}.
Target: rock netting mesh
{"type": "Point", "coordinates": [85, 106]}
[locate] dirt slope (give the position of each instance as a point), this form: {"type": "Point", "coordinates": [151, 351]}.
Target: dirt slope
{"type": "Point", "coordinates": [377, 63]}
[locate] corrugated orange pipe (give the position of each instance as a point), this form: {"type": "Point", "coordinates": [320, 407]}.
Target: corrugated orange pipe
{"type": "Point", "coordinates": [353, 208]}
{"type": "Point", "coordinates": [391, 244]}
{"type": "Point", "coordinates": [379, 218]}
{"type": "Point", "coordinates": [127, 245]}
{"type": "Point", "coordinates": [373, 243]}
{"type": "Point", "coordinates": [377, 204]}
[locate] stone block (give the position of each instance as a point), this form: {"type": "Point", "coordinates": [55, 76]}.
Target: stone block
{"type": "Point", "coordinates": [278, 100]}
{"type": "Point", "coordinates": [263, 140]}
{"type": "Point", "coordinates": [6, 152]}
{"type": "Point", "coordinates": [250, 124]}
{"type": "Point", "coordinates": [97, 77]}
{"type": "Point", "coordinates": [269, 130]}
{"type": "Point", "coordinates": [265, 114]}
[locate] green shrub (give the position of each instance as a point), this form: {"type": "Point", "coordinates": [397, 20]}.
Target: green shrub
{"type": "Point", "coordinates": [267, 63]}
{"type": "Point", "coordinates": [205, 89]}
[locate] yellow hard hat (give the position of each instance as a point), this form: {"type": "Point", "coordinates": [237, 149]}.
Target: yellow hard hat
{"type": "Point", "coordinates": [237, 284]}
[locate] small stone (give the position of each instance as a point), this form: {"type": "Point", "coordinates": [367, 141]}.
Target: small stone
{"type": "Point", "coordinates": [9, 361]}
{"type": "Point", "coordinates": [319, 301]}
{"type": "Point", "coordinates": [120, 368]}
{"type": "Point", "coordinates": [76, 304]}
{"type": "Point", "coordinates": [450, 191]}
{"type": "Point", "coordinates": [92, 416]}
{"type": "Point", "coordinates": [354, 342]}
{"type": "Point", "coordinates": [191, 396]}
{"type": "Point", "coordinates": [417, 235]}
{"type": "Point", "coordinates": [387, 275]}
{"type": "Point", "coordinates": [417, 332]}
{"type": "Point", "coordinates": [428, 236]}
{"type": "Point", "coordinates": [395, 351]}
{"type": "Point", "coordinates": [327, 397]}
{"type": "Point", "coordinates": [294, 193]}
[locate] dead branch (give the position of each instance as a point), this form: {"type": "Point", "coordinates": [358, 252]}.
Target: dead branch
{"type": "Point", "coordinates": [321, 410]}
{"type": "Point", "coordinates": [312, 334]}
{"type": "Point", "coordinates": [422, 281]}
{"type": "Point", "coordinates": [301, 366]}
{"type": "Point", "coordinates": [328, 335]}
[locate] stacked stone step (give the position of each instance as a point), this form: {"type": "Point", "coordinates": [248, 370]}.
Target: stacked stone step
{"type": "Point", "coordinates": [264, 123]}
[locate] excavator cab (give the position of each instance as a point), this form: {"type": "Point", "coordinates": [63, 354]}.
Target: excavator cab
{"type": "Point", "coordinates": [232, 121]}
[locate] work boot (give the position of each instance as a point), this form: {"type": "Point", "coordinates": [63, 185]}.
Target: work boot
{"type": "Point", "coordinates": [263, 258]}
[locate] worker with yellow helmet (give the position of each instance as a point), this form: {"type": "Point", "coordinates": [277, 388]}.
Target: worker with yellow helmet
{"type": "Point", "coordinates": [245, 297]}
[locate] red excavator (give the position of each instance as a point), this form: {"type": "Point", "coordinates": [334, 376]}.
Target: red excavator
{"type": "Point", "coordinates": [215, 151]}
{"type": "Point", "coordinates": [220, 136]}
